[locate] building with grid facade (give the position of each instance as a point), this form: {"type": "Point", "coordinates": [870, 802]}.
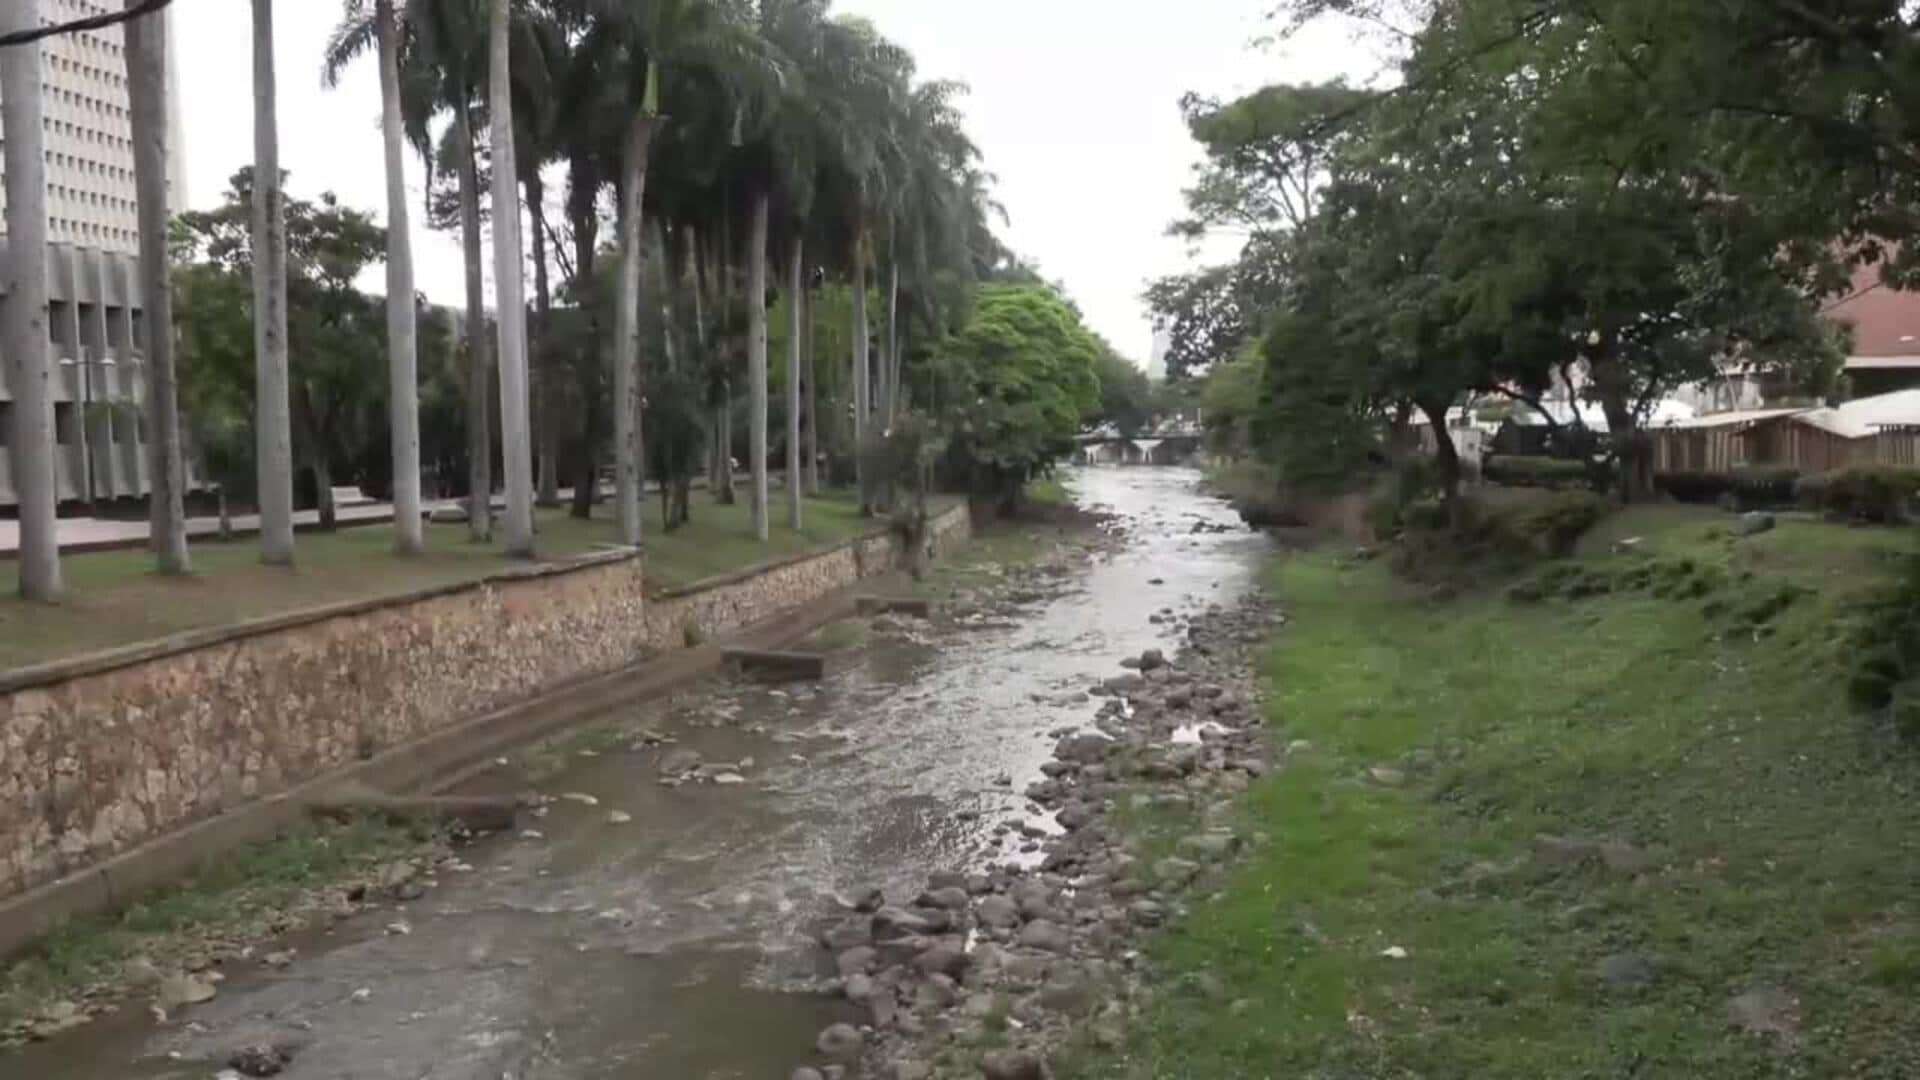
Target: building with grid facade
{"type": "Point", "coordinates": [95, 317]}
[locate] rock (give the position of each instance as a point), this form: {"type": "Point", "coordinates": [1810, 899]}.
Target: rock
{"type": "Point", "coordinates": [1386, 776]}
{"type": "Point", "coordinates": [1011, 1065]}
{"type": "Point", "coordinates": [1211, 845]}
{"type": "Point", "coordinates": [679, 762]}
{"type": "Point", "coordinates": [806, 1073]}
{"type": "Point", "coordinates": [1765, 1010]}
{"type": "Point", "coordinates": [944, 958]}
{"type": "Point", "coordinates": [618, 817]}
{"type": "Point", "coordinates": [1074, 816]}
{"type": "Point", "coordinates": [998, 911]}
{"type": "Point", "coordinates": [1627, 971]}
{"type": "Point", "coordinates": [1174, 872]}
{"type": "Point", "coordinates": [847, 934]}
{"type": "Point", "coordinates": [178, 990]}
{"type": "Point", "coordinates": [938, 992]}
{"type": "Point", "coordinates": [1069, 995]}
{"type": "Point", "coordinates": [950, 898]}
{"type": "Point", "coordinates": [580, 797]}
{"type": "Point", "coordinates": [840, 1041]}
{"type": "Point", "coordinates": [1086, 748]}
{"type": "Point", "coordinates": [946, 879]}
{"type": "Point", "coordinates": [1151, 659]}
{"type": "Point", "coordinates": [1753, 524]}
{"type": "Point", "coordinates": [449, 514]}
{"type": "Point", "coordinates": [912, 1070]}
{"type": "Point", "coordinates": [855, 961]}
{"type": "Point", "coordinates": [728, 778]}
{"type": "Point", "coordinates": [858, 988]}
{"type": "Point", "coordinates": [1147, 913]}
{"type": "Point", "coordinates": [140, 972]}
{"type": "Point", "coordinates": [259, 1061]}
{"type": "Point", "coordinates": [891, 921]}
{"type": "Point", "coordinates": [59, 1017]}
{"type": "Point", "coordinates": [1043, 934]}
{"type": "Point", "coordinates": [281, 959]}
{"type": "Point", "coordinates": [865, 900]}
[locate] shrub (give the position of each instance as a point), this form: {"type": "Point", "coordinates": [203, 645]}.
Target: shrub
{"type": "Point", "coordinates": [1530, 470]}
{"type": "Point", "coordinates": [1876, 493]}
{"type": "Point", "coordinates": [1693, 487]}
{"type": "Point", "coordinates": [1553, 526]}
{"type": "Point", "coordinates": [1759, 486]}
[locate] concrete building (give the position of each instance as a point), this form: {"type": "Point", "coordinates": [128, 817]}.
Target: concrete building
{"type": "Point", "coordinates": [95, 316]}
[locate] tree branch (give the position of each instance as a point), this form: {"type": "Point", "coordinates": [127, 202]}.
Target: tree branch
{"type": "Point", "coordinates": [92, 22]}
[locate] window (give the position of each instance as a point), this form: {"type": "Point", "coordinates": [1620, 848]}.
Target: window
{"type": "Point", "coordinates": [65, 428]}
{"type": "Point", "coordinates": [6, 424]}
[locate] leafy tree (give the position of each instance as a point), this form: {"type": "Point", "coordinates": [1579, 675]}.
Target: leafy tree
{"type": "Point", "coordinates": [1126, 394]}
{"type": "Point", "coordinates": [1027, 367]}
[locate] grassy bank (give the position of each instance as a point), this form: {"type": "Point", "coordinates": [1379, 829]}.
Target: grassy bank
{"type": "Point", "coordinates": [1634, 833]}
{"type": "Point", "coordinates": [114, 597]}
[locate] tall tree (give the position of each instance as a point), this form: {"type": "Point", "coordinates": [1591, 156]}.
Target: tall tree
{"type": "Point", "coordinates": [757, 359]}
{"type": "Point", "coordinates": [27, 346]}
{"type": "Point", "coordinates": [402, 324]}
{"type": "Point", "coordinates": [273, 423]}
{"type": "Point", "coordinates": [796, 305]}
{"type": "Point", "coordinates": [146, 60]}
{"type": "Point", "coordinates": [510, 289]}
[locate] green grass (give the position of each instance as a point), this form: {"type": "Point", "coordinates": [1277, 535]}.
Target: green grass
{"type": "Point", "coordinates": [114, 598]}
{"type": "Point", "coordinates": [1784, 833]}
{"type": "Point", "coordinates": [248, 898]}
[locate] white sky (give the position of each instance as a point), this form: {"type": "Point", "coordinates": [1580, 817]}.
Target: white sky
{"type": "Point", "coordinates": [1074, 105]}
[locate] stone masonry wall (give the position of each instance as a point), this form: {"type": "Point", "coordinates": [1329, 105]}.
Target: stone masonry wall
{"type": "Point", "coordinates": [100, 755]}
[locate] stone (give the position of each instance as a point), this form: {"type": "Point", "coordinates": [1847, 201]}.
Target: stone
{"type": "Point", "coordinates": [679, 762]}
{"type": "Point", "coordinates": [1043, 934]}
{"type": "Point", "coordinates": [841, 1041]}
{"type": "Point", "coordinates": [848, 934]}
{"type": "Point", "coordinates": [259, 1061]}
{"type": "Point", "coordinates": [865, 900]}
{"type": "Point", "coordinates": [858, 987]}
{"type": "Point", "coordinates": [1147, 913]}
{"type": "Point", "coordinates": [728, 778]}
{"type": "Point", "coordinates": [998, 911]}
{"type": "Point", "coordinates": [178, 990]}
{"type": "Point", "coordinates": [806, 1072]}
{"type": "Point", "coordinates": [1152, 659]}
{"type": "Point", "coordinates": [950, 898]}
{"type": "Point", "coordinates": [1765, 1010]}
{"type": "Point", "coordinates": [1211, 845]}
{"type": "Point", "coordinates": [944, 958]}
{"type": "Point", "coordinates": [1753, 524]}
{"type": "Point", "coordinates": [1627, 971]}
{"type": "Point", "coordinates": [1086, 748]}
{"type": "Point", "coordinates": [1011, 1065]}
{"type": "Point", "coordinates": [447, 514]}
{"type": "Point", "coordinates": [890, 921]}
{"type": "Point", "coordinates": [1386, 776]}
{"type": "Point", "coordinates": [1067, 994]}
{"type": "Point", "coordinates": [912, 1070]}
{"type": "Point", "coordinates": [856, 960]}
{"type": "Point", "coordinates": [618, 817]}
{"type": "Point", "coordinates": [1074, 816]}
{"type": "Point", "coordinates": [937, 992]}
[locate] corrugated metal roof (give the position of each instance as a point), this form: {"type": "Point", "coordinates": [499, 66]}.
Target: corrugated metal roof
{"type": "Point", "coordinates": [1867, 416]}
{"type": "Point", "coordinates": [1882, 363]}
{"type": "Point", "coordinates": [1727, 419]}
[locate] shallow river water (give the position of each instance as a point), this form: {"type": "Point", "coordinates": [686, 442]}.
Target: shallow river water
{"type": "Point", "coordinates": [677, 944]}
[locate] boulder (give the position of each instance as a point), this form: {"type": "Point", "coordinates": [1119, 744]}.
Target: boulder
{"type": "Point", "coordinates": [1012, 1065]}
{"type": "Point", "coordinates": [998, 911]}
{"type": "Point", "coordinates": [840, 1041]}
{"type": "Point", "coordinates": [1044, 934]}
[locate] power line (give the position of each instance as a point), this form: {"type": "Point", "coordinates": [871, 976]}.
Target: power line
{"type": "Point", "coordinates": [92, 22]}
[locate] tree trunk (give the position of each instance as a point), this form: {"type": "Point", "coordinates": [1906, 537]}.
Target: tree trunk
{"type": "Point", "coordinates": [894, 365]}
{"type": "Point", "coordinates": [273, 424]}
{"type": "Point", "coordinates": [479, 358]}
{"type": "Point", "coordinates": [27, 349]}
{"type": "Point", "coordinates": [796, 293]}
{"type": "Point", "coordinates": [1446, 459]}
{"type": "Point", "coordinates": [402, 333]}
{"type": "Point", "coordinates": [547, 393]}
{"type": "Point", "coordinates": [813, 412]}
{"type": "Point", "coordinates": [510, 291]}
{"type": "Point", "coordinates": [628, 477]}
{"type": "Point", "coordinates": [585, 221]}
{"type": "Point", "coordinates": [862, 400]}
{"type": "Point", "coordinates": [323, 497]}
{"type": "Point", "coordinates": [146, 59]}
{"type": "Point", "coordinates": [757, 361]}
{"type": "Point", "coordinates": [725, 493]}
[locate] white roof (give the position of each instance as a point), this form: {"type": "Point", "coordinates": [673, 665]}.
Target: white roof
{"type": "Point", "coordinates": [1867, 416]}
{"type": "Point", "coordinates": [1665, 413]}
{"type": "Point", "coordinates": [1870, 363]}
{"type": "Point", "coordinates": [1725, 419]}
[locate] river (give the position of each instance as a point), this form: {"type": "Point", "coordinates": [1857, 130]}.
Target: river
{"type": "Point", "coordinates": [677, 944]}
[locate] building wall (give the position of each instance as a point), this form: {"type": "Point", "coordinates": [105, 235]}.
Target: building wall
{"type": "Point", "coordinates": [99, 755]}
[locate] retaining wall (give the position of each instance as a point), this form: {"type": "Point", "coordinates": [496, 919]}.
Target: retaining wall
{"type": "Point", "coordinates": [101, 753]}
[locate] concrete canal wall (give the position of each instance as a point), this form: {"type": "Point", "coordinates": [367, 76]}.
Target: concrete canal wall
{"type": "Point", "coordinates": [102, 754]}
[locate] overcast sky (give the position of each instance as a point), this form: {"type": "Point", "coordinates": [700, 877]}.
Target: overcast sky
{"type": "Point", "coordinates": [1074, 104]}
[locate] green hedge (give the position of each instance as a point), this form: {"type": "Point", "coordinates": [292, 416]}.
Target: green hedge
{"type": "Point", "coordinates": [1532, 470]}
{"type": "Point", "coordinates": [1876, 493]}
{"type": "Point", "coordinates": [1750, 486]}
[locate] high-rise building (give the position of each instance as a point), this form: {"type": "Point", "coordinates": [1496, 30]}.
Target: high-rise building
{"type": "Point", "coordinates": [95, 316]}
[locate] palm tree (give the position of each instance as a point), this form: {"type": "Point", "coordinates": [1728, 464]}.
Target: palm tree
{"type": "Point", "coordinates": [510, 287]}
{"type": "Point", "coordinates": [146, 59]}
{"type": "Point", "coordinates": [24, 313]}
{"type": "Point", "coordinates": [402, 332]}
{"type": "Point", "coordinates": [273, 423]}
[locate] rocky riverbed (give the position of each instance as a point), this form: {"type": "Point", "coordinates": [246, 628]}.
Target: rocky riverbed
{"type": "Point", "coordinates": [990, 971]}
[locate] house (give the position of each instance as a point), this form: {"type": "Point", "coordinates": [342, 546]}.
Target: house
{"type": "Point", "coordinates": [1721, 442]}
{"type": "Point", "coordinates": [1886, 334]}
{"type": "Point", "coordinates": [1883, 429]}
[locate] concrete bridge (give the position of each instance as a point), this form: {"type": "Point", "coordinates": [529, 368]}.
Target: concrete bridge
{"type": "Point", "coordinates": [1166, 447]}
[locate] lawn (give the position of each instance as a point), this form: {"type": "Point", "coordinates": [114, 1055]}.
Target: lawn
{"type": "Point", "coordinates": [114, 598]}
{"type": "Point", "coordinates": [1763, 858]}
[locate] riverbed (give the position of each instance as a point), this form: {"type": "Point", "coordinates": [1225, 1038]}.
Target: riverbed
{"type": "Point", "coordinates": [636, 929]}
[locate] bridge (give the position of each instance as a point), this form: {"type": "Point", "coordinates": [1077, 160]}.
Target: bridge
{"type": "Point", "coordinates": [1166, 445]}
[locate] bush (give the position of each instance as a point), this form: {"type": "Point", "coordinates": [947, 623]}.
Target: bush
{"type": "Point", "coordinates": [1876, 493]}
{"type": "Point", "coordinates": [1693, 487]}
{"type": "Point", "coordinates": [1759, 486]}
{"type": "Point", "coordinates": [1525, 470]}
{"type": "Point", "coordinates": [1552, 527]}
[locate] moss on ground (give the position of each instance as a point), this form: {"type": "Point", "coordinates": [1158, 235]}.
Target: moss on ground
{"type": "Point", "coordinates": [1760, 835]}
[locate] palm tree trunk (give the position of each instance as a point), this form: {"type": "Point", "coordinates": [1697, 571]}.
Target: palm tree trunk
{"type": "Point", "coordinates": [402, 333]}
{"type": "Point", "coordinates": [510, 290]}
{"type": "Point", "coordinates": [862, 389]}
{"type": "Point", "coordinates": [628, 478]}
{"type": "Point", "coordinates": [813, 411]}
{"type": "Point", "coordinates": [795, 300]}
{"type": "Point", "coordinates": [328, 513]}
{"type": "Point", "coordinates": [894, 365]}
{"type": "Point", "coordinates": [547, 392]}
{"type": "Point", "coordinates": [479, 358]}
{"type": "Point", "coordinates": [27, 349]}
{"type": "Point", "coordinates": [146, 59]}
{"type": "Point", "coordinates": [757, 361]}
{"type": "Point", "coordinates": [273, 424]}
